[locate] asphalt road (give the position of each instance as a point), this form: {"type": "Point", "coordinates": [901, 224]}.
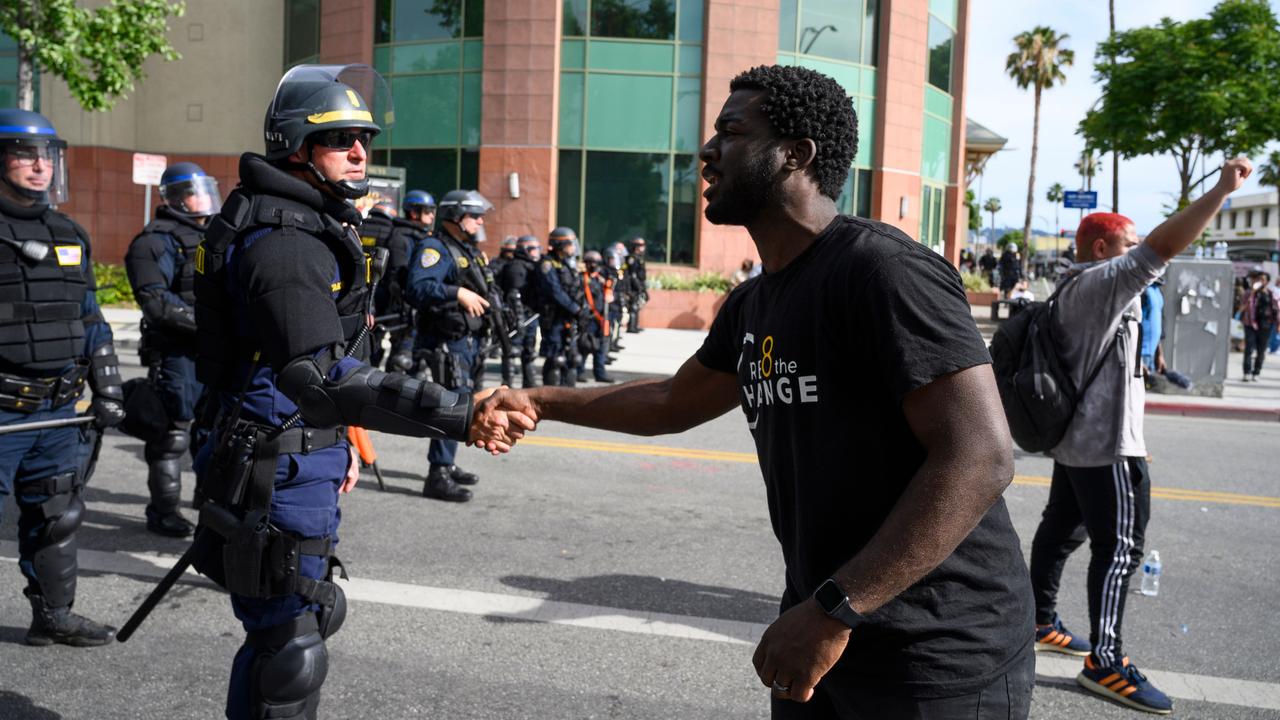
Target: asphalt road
{"type": "Point", "coordinates": [600, 576]}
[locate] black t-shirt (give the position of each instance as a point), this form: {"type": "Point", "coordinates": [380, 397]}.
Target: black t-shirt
{"type": "Point", "coordinates": [825, 350]}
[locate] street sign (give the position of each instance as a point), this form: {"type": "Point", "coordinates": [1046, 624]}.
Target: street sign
{"type": "Point", "coordinates": [1081, 199]}
{"type": "Point", "coordinates": [147, 169]}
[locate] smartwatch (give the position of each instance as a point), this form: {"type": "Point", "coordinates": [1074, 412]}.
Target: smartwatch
{"type": "Point", "coordinates": [835, 603]}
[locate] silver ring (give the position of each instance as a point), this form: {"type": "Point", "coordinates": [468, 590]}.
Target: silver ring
{"type": "Point", "coordinates": [779, 688]}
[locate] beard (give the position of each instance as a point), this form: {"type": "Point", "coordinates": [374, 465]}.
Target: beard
{"type": "Point", "coordinates": [739, 201]}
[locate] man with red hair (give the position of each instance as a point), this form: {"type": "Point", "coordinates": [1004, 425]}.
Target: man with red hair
{"type": "Point", "coordinates": [1101, 487]}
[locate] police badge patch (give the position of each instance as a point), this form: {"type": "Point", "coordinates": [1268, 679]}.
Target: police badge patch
{"type": "Point", "coordinates": [430, 256]}
{"type": "Point", "coordinates": [463, 263]}
{"type": "Point", "coordinates": [546, 266]}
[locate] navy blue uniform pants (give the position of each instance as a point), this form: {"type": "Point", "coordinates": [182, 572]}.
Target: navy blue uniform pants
{"type": "Point", "coordinates": [178, 387]}
{"type": "Point", "coordinates": [26, 459]}
{"type": "Point", "coordinates": [305, 502]}
{"type": "Point", "coordinates": [601, 353]}
{"type": "Point", "coordinates": [464, 358]}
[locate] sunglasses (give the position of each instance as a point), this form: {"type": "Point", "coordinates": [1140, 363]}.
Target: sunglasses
{"type": "Point", "coordinates": [344, 139]}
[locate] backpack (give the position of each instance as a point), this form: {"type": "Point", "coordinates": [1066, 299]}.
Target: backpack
{"type": "Point", "coordinates": [1036, 388]}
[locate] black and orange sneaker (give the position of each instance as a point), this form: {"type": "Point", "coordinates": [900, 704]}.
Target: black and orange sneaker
{"type": "Point", "coordinates": [1125, 685]}
{"type": "Point", "coordinates": [1057, 638]}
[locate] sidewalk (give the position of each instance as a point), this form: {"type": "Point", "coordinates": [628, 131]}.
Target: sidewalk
{"type": "Point", "coordinates": [659, 351]}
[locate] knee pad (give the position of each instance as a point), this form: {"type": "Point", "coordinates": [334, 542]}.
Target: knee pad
{"type": "Point", "coordinates": [286, 678]}
{"type": "Point", "coordinates": [330, 620]}
{"type": "Point", "coordinates": [62, 526]}
{"type": "Point", "coordinates": [171, 445]}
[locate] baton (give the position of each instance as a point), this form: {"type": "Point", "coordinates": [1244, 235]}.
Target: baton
{"type": "Point", "coordinates": [166, 583]}
{"type": "Point", "coordinates": [46, 424]}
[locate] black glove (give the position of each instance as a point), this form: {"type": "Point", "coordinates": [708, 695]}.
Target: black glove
{"type": "Point", "coordinates": [107, 412]}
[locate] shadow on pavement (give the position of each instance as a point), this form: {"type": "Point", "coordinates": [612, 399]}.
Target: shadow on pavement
{"type": "Point", "coordinates": [11, 636]}
{"type": "Point", "coordinates": [20, 707]}
{"type": "Point", "coordinates": [654, 594]}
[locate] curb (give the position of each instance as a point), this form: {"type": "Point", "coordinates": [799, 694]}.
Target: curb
{"type": "Point", "coordinates": [1211, 411]}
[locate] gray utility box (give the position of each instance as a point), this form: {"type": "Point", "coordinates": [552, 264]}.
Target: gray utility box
{"type": "Point", "coordinates": [1197, 324]}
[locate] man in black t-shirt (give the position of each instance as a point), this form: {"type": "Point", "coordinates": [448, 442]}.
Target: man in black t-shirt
{"type": "Point", "coordinates": [884, 448]}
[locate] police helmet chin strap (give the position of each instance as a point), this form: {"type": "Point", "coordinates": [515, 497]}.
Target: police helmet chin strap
{"type": "Point", "coordinates": [36, 195]}
{"type": "Point", "coordinates": [342, 188]}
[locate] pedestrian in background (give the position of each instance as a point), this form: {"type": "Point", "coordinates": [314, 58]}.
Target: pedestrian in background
{"type": "Point", "coordinates": [1259, 313]}
{"type": "Point", "coordinates": [1101, 487]}
{"type": "Point", "coordinates": [1010, 270]}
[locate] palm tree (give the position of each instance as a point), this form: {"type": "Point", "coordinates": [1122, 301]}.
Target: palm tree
{"type": "Point", "coordinates": [992, 205]}
{"type": "Point", "coordinates": [1037, 63]}
{"type": "Point", "coordinates": [1269, 176]}
{"type": "Point", "coordinates": [1088, 166]}
{"type": "Point", "coordinates": [1055, 195]}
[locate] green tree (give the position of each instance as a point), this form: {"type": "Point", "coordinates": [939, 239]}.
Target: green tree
{"type": "Point", "coordinates": [975, 212]}
{"type": "Point", "coordinates": [992, 205]}
{"type": "Point", "coordinates": [1190, 89]}
{"type": "Point", "coordinates": [1088, 166]}
{"type": "Point", "coordinates": [1055, 195]}
{"type": "Point", "coordinates": [1037, 63]}
{"type": "Point", "coordinates": [1015, 238]}
{"type": "Point", "coordinates": [99, 53]}
{"type": "Point", "coordinates": [1269, 176]}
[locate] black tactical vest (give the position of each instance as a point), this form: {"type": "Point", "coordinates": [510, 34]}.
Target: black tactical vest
{"type": "Point", "coordinates": [188, 238]}
{"type": "Point", "coordinates": [570, 282]}
{"type": "Point", "coordinates": [41, 329]}
{"type": "Point", "coordinates": [448, 319]}
{"type": "Point", "coordinates": [375, 231]}
{"type": "Point", "coordinates": [221, 345]}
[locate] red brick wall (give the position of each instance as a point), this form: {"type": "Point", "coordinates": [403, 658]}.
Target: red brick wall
{"type": "Point", "coordinates": [105, 201]}
{"type": "Point", "coordinates": [346, 32]}
{"type": "Point", "coordinates": [904, 33]}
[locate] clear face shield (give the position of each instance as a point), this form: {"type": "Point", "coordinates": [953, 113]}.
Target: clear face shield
{"type": "Point", "coordinates": [36, 169]}
{"type": "Point", "coordinates": [195, 195]}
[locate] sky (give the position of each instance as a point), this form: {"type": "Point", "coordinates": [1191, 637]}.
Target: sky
{"type": "Point", "coordinates": [1147, 184]}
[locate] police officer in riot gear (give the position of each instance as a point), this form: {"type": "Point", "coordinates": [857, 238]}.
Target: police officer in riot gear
{"type": "Point", "coordinates": [52, 341]}
{"type": "Point", "coordinates": [160, 263]}
{"type": "Point", "coordinates": [282, 311]}
{"type": "Point", "coordinates": [407, 231]}
{"type": "Point", "coordinates": [519, 283]}
{"type": "Point", "coordinates": [563, 304]}
{"type": "Point", "coordinates": [449, 285]}
{"type": "Point", "coordinates": [375, 232]}
{"type": "Point", "coordinates": [614, 256]}
{"type": "Point", "coordinates": [635, 284]}
{"type": "Point", "coordinates": [593, 327]}
{"type": "Point", "coordinates": [506, 251]}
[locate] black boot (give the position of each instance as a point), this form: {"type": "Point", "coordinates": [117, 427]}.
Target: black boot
{"type": "Point", "coordinates": [462, 477]}
{"type": "Point", "coordinates": [440, 486]}
{"type": "Point", "coordinates": [606, 379]}
{"type": "Point", "coordinates": [171, 524]}
{"type": "Point", "coordinates": [550, 377]}
{"type": "Point", "coordinates": [60, 625]}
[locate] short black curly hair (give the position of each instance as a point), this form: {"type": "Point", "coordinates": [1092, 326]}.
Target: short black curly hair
{"type": "Point", "coordinates": [804, 103]}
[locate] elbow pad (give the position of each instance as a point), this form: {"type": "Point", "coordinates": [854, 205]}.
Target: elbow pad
{"type": "Point", "coordinates": [374, 400]}
{"type": "Point", "coordinates": [104, 372]}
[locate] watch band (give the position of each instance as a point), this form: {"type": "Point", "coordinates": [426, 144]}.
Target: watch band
{"type": "Point", "coordinates": [831, 598]}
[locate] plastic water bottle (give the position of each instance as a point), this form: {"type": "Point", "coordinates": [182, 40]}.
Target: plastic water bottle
{"type": "Point", "coordinates": [1199, 252]}
{"type": "Point", "coordinates": [1151, 574]}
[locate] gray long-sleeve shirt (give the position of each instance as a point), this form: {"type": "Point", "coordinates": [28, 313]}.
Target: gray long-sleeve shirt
{"type": "Point", "coordinates": [1102, 299]}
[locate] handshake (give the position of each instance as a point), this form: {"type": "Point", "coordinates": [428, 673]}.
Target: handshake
{"type": "Point", "coordinates": [500, 417]}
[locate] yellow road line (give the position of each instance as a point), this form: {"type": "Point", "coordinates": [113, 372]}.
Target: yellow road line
{"type": "Point", "coordinates": [1163, 493]}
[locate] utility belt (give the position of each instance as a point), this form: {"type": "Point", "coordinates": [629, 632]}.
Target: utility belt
{"type": "Point", "coordinates": [449, 321]}
{"type": "Point", "coordinates": [26, 394]}
{"type": "Point", "coordinates": [255, 559]}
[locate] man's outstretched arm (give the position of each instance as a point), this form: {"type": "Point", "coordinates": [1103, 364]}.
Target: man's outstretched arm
{"type": "Point", "coordinates": [1178, 232]}
{"type": "Point", "coordinates": [694, 395]}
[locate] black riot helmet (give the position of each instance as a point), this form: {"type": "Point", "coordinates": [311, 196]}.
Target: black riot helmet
{"type": "Point", "coordinates": [508, 246]}
{"type": "Point", "coordinates": [529, 246]}
{"type": "Point", "coordinates": [457, 204]}
{"type": "Point", "coordinates": [563, 241]}
{"type": "Point", "coordinates": [331, 105]}
{"type": "Point", "coordinates": [593, 260]}
{"type": "Point", "coordinates": [188, 190]}
{"type": "Point", "coordinates": [30, 138]}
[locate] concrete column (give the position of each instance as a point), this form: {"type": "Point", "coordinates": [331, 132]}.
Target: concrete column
{"type": "Point", "coordinates": [346, 32]}
{"type": "Point", "coordinates": [519, 117]}
{"type": "Point", "coordinates": [739, 35]}
{"type": "Point", "coordinates": [895, 175]}
{"type": "Point", "coordinates": [956, 220]}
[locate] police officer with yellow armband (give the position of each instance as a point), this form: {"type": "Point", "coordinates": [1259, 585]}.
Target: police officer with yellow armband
{"type": "Point", "coordinates": [160, 263]}
{"type": "Point", "coordinates": [563, 305]}
{"type": "Point", "coordinates": [282, 303]}
{"type": "Point", "coordinates": [52, 339]}
{"type": "Point", "coordinates": [449, 285]}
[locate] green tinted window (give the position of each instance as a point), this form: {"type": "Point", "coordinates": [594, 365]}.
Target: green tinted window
{"type": "Point", "coordinates": [473, 23]}
{"type": "Point", "coordinates": [469, 169]}
{"type": "Point", "coordinates": [382, 21]}
{"type": "Point", "coordinates": [690, 60]}
{"type": "Point", "coordinates": [8, 68]}
{"type": "Point", "coordinates": [688, 114]}
{"type": "Point", "coordinates": [935, 155]}
{"type": "Point", "coordinates": [569, 189]}
{"type": "Point", "coordinates": [870, 33]}
{"type": "Point", "coordinates": [787, 25]}
{"type": "Point", "coordinates": [427, 106]}
{"type": "Point", "coordinates": [639, 19]}
{"type": "Point", "coordinates": [426, 57]}
{"type": "Point", "coordinates": [301, 31]}
{"type": "Point", "coordinates": [571, 88]}
{"type": "Point", "coordinates": [382, 60]}
{"type": "Point", "coordinates": [471, 101]}
{"type": "Point", "coordinates": [630, 56]}
{"type": "Point", "coordinates": [626, 196]}
{"type": "Point", "coordinates": [573, 54]}
{"type": "Point", "coordinates": [866, 110]}
{"type": "Point", "coordinates": [628, 111]}
{"type": "Point", "coordinates": [575, 18]}
{"type": "Point", "coordinates": [684, 211]}
{"type": "Point", "coordinates": [473, 54]}
{"type": "Point", "coordinates": [435, 171]}
{"type": "Point", "coordinates": [940, 42]}
{"type": "Point", "coordinates": [945, 10]}
{"type": "Point", "coordinates": [937, 102]}
{"type": "Point", "coordinates": [690, 21]}
{"type": "Point", "coordinates": [831, 28]}
{"type": "Point", "coordinates": [855, 197]}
